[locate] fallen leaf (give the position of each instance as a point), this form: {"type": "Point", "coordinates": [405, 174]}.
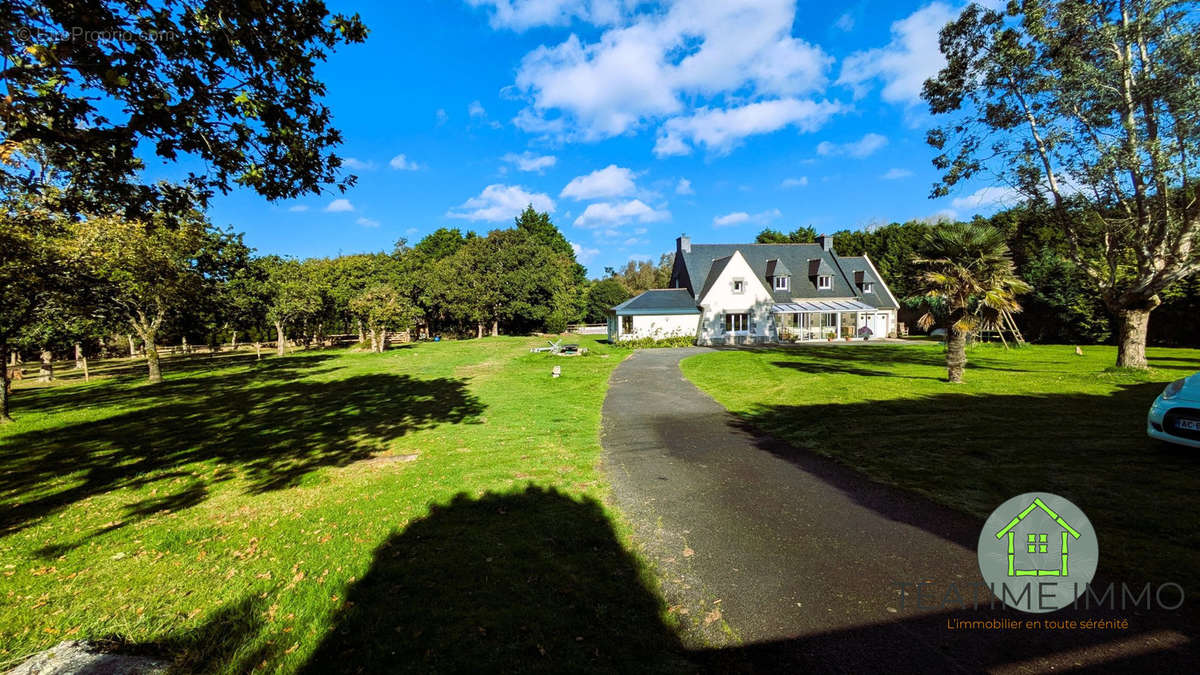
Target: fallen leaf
{"type": "Point", "coordinates": [688, 552]}
{"type": "Point", "coordinates": [712, 616]}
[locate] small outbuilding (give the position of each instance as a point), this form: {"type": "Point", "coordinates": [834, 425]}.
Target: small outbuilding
{"type": "Point", "coordinates": [658, 313]}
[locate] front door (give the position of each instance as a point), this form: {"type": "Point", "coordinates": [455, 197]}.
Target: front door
{"type": "Point", "coordinates": [879, 325]}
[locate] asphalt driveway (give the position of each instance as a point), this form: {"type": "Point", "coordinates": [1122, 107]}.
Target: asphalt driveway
{"type": "Point", "coordinates": [774, 558]}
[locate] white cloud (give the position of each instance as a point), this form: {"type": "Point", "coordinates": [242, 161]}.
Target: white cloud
{"type": "Point", "coordinates": [441, 117]}
{"type": "Point", "coordinates": [339, 206]}
{"type": "Point", "coordinates": [583, 254]}
{"type": "Point", "coordinates": [740, 217]}
{"type": "Point", "coordinates": [367, 222]}
{"type": "Point", "coordinates": [794, 182]}
{"type": "Point", "coordinates": [498, 203]}
{"type": "Point", "coordinates": [611, 181]}
{"type": "Point", "coordinates": [655, 64]}
{"type": "Point", "coordinates": [402, 163]}
{"type": "Point", "coordinates": [906, 62]}
{"type": "Point", "coordinates": [355, 164]}
{"type": "Point", "coordinates": [684, 187]}
{"type": "Point", "coordinates": [476, 111]}
{"type": "Point", "coordinates": [863, 147]}
{"type": "Point", "coordinates": [896, 174]}
{"type": "Point", "coordinates": [845, 22]}
{"type": "Point", "coordinates": [520, 15]}
{"type": "Point", "coordinates": [945, 215]}
{"type": "Point", "coordinates": [527, 161]}
{"type": "Point", "coordinates": [613, 214]}
{"type": "Point", "coordinates": [411, 231]}
{"type": "Point", "coordinates": [721, 130]}
{"type": "Point", "coordinates": [298, 208]}
{"type": "Point", "coordinates": [988, 197]}
{"type": "Point", "coordinates": [728, 219]}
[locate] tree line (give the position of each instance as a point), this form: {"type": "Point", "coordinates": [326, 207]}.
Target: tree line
{"type": "Point", "coordinates": [1063, 305]}
{"type": "Point", "coordinates": [75, 285]}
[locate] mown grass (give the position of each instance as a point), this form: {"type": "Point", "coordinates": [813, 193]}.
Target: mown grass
{"type": "Point", "coordinates": [436, 507]}
{"type": "Point", "coordinates": [1036, 418]}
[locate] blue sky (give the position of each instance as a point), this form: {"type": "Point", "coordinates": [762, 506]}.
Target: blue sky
{"type": "Point", "coordinates": [631, 122]}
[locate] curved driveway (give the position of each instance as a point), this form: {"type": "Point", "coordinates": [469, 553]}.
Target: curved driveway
{"type": "Point", "coordinates": [786, 560]}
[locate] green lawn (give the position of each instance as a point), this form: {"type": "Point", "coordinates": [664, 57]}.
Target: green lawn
{"type": "Point", "coordinates": [431, 508]}
{"type": "Point", "coordinates": [1036, 418]}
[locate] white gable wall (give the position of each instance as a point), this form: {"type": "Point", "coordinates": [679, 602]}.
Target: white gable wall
{"type": "Point", "coordinates": [720, 300]}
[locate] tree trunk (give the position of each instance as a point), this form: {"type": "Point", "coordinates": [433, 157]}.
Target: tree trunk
{"type": "Point", "coordinates": [235, 340]}
{"type": "Point", "coordinates": [371, 337]}
{"type": "Point", "coordinates": [956, 354]}
{"type": "Point", "coordinates": [183, 346]}
{"type": "Point", "coordinates": [495, 328]}
{"type": "Point", "coordinates": [1131, 340]}
{"type": "Point", "coordinates": [46, 370]}
{"type": "Point", "coordinates": [479, 329]}
{"type": "Point", "coordinates": [257, 351]}
{"type": "Point", "coordinates": [153, 369]}
{"type": "Point", "coordinates": [280, 340]}
{"type": "Point", "coordinates": [4, 389]}
{"type": "Point", "coordinates": [78, 356]}
{"type": "Point", "coordinates": [132, 347]}
{"type": "Point", "coordinates": [361, 336]}
{"type": "Point", "coordinates": [383, 339]}
{"type": "Point", "coordinates": [87, 377]}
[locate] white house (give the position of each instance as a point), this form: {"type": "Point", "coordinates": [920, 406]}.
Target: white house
{"type": "Point", "coordinates": [749, 293]}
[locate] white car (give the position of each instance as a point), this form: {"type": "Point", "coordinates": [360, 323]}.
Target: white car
{"type": "Point", "coordinates": [1175, 415]}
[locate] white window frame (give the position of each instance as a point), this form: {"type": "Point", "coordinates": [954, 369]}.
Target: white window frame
{"type": "Point", "coordinates": [868, 287]}
{"type": "Point", "coordinates": [626, 330]}
{"type": "Point", "coordinates": [731, 320]}
{"type": "Point", "coordinates": [781, 286]}
{"type": "Point", "coordinates": [739, 286]}
{"type": "Point", "coordinates": [824, 282]}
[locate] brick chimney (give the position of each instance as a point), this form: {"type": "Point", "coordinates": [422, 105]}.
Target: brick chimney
{"type": "Point", "coordinates": [683, 244]}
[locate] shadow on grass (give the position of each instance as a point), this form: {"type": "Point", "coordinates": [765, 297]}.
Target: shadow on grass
{"type": "Point", "coordinates": [530, 581]}
{"type": "Point", "coordinates": [263, 427]}
{"type": "Point", "coordinates": [123, 388]}
{"type": "Point", "coordinates": [842, 368]}
{"type": "Point", "coordinates": [538, 582]}
{"type": "Point", "coordinates": [843, 358]}
{"type": "Point", "coordinates": [972, 452]}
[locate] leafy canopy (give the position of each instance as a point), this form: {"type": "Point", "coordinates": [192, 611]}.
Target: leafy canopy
{"type": "Point", "coordinates": [230, 82]}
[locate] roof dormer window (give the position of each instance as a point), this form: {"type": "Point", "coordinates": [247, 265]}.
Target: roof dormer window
{"type": "Point", "coordinates": [868, 287]}
{"type": "Point", "coordinates": [824, 282]}
{"type": "Point", "coordinates": [781, 283]}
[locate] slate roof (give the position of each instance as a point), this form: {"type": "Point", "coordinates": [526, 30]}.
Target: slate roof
{"type": "Point", "coordinates": [859, 270]}
{"type": "Point", "coordinates": [659, 301]}
{"type": "Point", "coordinates": [714, 273]}
{"type": "Point", "coordinates": [776, 268]}
{"type": "Point", "coordinates": [696, 266]}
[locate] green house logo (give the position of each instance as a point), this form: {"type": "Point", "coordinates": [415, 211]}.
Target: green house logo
{"type": "Point", "coordinates": [1038, 542]}
{"type": "Point", "coordinates": [1037, 552]}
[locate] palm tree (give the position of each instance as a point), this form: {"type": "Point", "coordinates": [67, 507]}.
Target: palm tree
{"type": "Point", "coordinates": [968, 277]}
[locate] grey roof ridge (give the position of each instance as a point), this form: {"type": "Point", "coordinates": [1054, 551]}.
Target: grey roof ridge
{"type": "Point", "coordinates": [880, 278]}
